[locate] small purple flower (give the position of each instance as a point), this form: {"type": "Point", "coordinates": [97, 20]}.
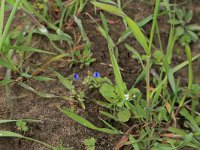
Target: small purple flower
{"type": "Point", "coordinates": [96, 75]}
{"type": "Point", "coordinates": [76, 76]}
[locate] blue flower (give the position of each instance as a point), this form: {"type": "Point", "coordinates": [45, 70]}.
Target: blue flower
{"type": "Point", "coordinates": [76, 76]}
{"type": "Point", "coordinates": [96, 75]}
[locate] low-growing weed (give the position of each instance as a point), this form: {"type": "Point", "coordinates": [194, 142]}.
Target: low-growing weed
{"type": "Point", "coordinates": [95, 80]}
{"type": "Point", "coordinates": [22, 126]}
{"type": "Point", "coordinates": [84, 58]}
{"type": "Point", "coordinates": [75, 94]}
{"type": "Point", "coordinates": [90, 143]}
{"type": "Point", "coordinates": [185, 32]}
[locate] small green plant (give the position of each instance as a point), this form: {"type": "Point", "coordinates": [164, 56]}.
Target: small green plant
{"type": "Point", "coordinates": [90, 143]}
{"type": "Point", "coordinates": [119, 97]}
{"type": "Point", "coordinates": [83, 58]}
{"type": "Point", "coordinates": [95, 81]}
{"type": "Point", "coordinates": [75, 94]}
{"type": "Point", "coordinates": [22, 126]}
{"type": "Point", "coordinates": [185, 31]}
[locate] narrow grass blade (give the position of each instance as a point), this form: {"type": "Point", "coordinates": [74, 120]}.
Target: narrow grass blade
{"type": "Point", "coordinates": [64, 81]}
{"type": "Point", "coordinates": [177, 131]}
{"type": "Point", "coordinates": [8, 64]}
{"type": "Point", "coordinates": [109, 125]}
{"type": "Point", "coordinates": [116, 70]}
{"type": "Point", "coordinates": [156, 11]}
{"type": "Point", "coordinates": [39, 93]}
{"type": "Point", "coordinates": [186, 114]}
{"type": "Point", "coordinates": [172, 80]}
{"type": "Point", "coordinates": [8, 24]}
{"type": "Point", "coordinates": [109, 115]}
{"type": "Point", "coordinates": [16, 135]}
{"type": "Point", "coordinates": [190, 73]}
{"type": "Point", "coordinates": [10, 121]}
{"type": "Point", "coordinates": [110, 8]}
{"type": "Point", "coordinates": [2, 17]}
{"type": "Point", "coordinates": [169, 73]}
{"type": "Point", "coordinates": [42, 78]}
{"type": "Point", "coordinates": [86, 123]}
{"type": "Point", "coordinates": [38, 78]}
{"type": "Point", "coordinates": [189, 57]}
{"type": "Point", "coordinates": [5, 82]}
{"type": "Point", "coordinates": [80, 26]}
{"type": "Point", "coordinates": [187, 140]}
{"type": "Point", "coordinates": [138, 34]}
{"type": "Point", "coordinates": [53, 59]}
{"type": "Point", "coordinates": [134, 142]}
{"type": "Point", "coordinates": [185, 63]}
{"type": "Point", "coordinates": [30, 49]}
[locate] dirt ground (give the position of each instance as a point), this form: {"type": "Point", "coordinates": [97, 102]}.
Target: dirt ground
{"type": "Point", "coordinates": [57, 128]}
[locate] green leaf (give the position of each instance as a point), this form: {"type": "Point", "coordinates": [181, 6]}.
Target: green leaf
{"type": "Point", "coordinates": [141, 112]}
{"type": "Point", "coordinates": [155, 15]}
{"type": "Point", "coordinates": [193, 36]}
{"type": "Point", "coordinates": [16, 135]}
{"type": "Point", "coordinates": [7, 63]}
{"type": "Point", "coordinates": [159, 146]}
{"type": "Point", "coordinates": [190, 72]}
{"type": "Point", "coordinates": [142, 75]}
{"type": "Point", "coordinates": [116, 70]}
{"type": "Point", "coordinates": [135, 53]}
{"type": "Point", "coordinates": [38, 78]}
{"type": "Point", "coordinates": [177, 131]}
{"type": "Point", "coordinates": [186, 141]}
{"type": "Point", "coordinates": [42, 78]}
{"type": "Point", "coordinates": [103, 104]}
{"type": "Point", "coordinates": [134, 143]}
{"type": "Point", "coordinates": [109, 125]}
{"type": "Point", "coordinates": [169, 73]}
{"type": "Point", "coordinates": [108, 92]}
{"type": "Point", "coordinates": [179, 31]}
{"type": "Point", "coordinates": [158, 56]}
{"type": "Point", "coordinates": [8, 23]}
{"type": "Point", "coordinates": [110, 8]}
{"type": "Point", "coordinates": [68, 84]}
{"type": "Point", "coordinates": [10, 134]}
{"type": "Point", "coordinates": [39, 93]}
{"type": "Point", "coordinates": [124, 115]}
{"type": "Point", "coordinates": [109, 115]}
{"type": "Point", "coordinates": [80, 26]}
{"type": "Point", "coordinates": [188, 16]}
{"type": "Point", "coordinates": [5, 82]}
{"type": "Point", "coordinates": [180, 14]}
{"type": "Point", "coordinates": [195, 89]}
{"type": "Point", "coordinates": [193, 27]}
{"type": "Point", "coordinates": [2, 11]}
{"type": "Point", "coordinates": [138, 34]}
{"type": "Point", "coordinates": [27, 120]}
{"type": "Point", "coordinates": [171, 41]}
{"type": "Point", "coordinates": [191, 120]}
{"type": "Point", "coordinates": [30, 49]}
{"type": "Point", "coordinates": [185, 63]}
{"type": "Point", "coordinates": [86, 123]}
{"type": "Point", "coordinates": [172, 80]}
